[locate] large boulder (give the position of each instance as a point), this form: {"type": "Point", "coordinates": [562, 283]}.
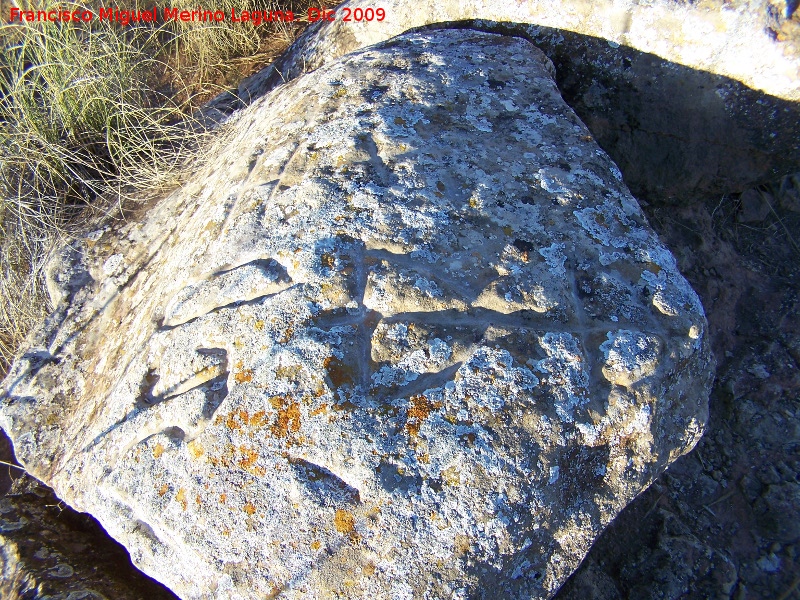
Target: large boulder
{"type": "Point", "coordinates": [407, 333]}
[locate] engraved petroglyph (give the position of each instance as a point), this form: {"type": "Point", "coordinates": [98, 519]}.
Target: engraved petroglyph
{"type": "Point", "coordinates": [412, 337]}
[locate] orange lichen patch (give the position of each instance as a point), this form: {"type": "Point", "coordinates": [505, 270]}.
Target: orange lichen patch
{"type": "Point", "coordinates": [249, 457]}
{"type": "Point", "coordinates": [323, 408]}
{"type": "Point", "coordinates": [242, 457]}
{"type": "Point", "coordinates": [198, 499]}
{"type": "Point", "coordinates": [259, 326]}
{"type": "Point", "coordinates": [287, 335]}
{"type": "Point", "coordinates": [181, 497]}
{"type": "Point", "coordinates": [344, 521]}
{"type": "Point", "coordinates": [316, 545]}
{"type": "Point", "coordinates": [259, 419]}
{"type": "Point", "coordinates": [288, 419]}
{"type": "Point", "coordinates": [223, 498]}
{"type": "Point", "coordinates": [461, 544]}
{"type": "Point", "coordinates": [419, 410]}
{"type": "Point", "coordinates": [339, 372]}
{"type": "Point", "coordinates": [164, 489]}
{"type": "Point", "coordinates": [290, 373]}
{"type": "Point", "coordinates": [195, 449]}
{"type": "Point", "coordinates": [158, 450]}
{"type": "Point", "coordinates": [451, 476]}
{"type": "Point", "coordinates": [249, 509]}
{"type": "Point", "coordinates": [219, 462]}
{"type": "Point", "coordinates": [235, 419]}
{"type": "Point", "coordinates": [327, 260]}
{"type": "Point", "coordinates": [368, 569]}
{"type": "Point", "coordinates": [243, 376]}
{"type": "Point", "coordinates": [231, 422]}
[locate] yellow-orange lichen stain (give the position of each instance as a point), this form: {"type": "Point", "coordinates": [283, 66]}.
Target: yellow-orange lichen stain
{"type": "Point", "coordinates": [344, 521]}
{"type": "Point", "coordinates": [419, 410]}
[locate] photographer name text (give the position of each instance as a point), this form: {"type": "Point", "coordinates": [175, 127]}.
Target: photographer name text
{"type": "Point", "coordinates": [201, 15]}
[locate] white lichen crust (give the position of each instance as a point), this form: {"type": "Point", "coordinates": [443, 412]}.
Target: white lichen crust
{"type": "Point", "coordinates": [407, 336]}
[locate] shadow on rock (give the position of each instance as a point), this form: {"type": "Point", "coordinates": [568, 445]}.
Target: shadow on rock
{"type": "Point", "coordinates": [47, 549]}
{"type": "Point", "coordinates": [677, 134]}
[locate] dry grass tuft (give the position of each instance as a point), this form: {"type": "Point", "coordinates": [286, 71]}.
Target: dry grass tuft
{"type": "Point", "coordinates": [94, 116]}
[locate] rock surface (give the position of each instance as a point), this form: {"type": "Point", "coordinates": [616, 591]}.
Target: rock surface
{"type": "Point", "coordinates": [413, 335]}
{"type": "Point", "coordinates": [722, 521]}
{"type": "Point", "coordinates": [678, 110]}
{"type": "Point", "coordinates": [755, 42]}
{"type": "Point", "coordinates": [48, 551]}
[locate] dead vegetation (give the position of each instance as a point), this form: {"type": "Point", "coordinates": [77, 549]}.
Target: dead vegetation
{"type": "Point", "coordinates": [97, 116]}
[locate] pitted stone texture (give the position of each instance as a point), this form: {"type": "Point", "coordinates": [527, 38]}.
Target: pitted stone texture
{"type": "Point", "coordinates": [749, 41]}
{"type": "Point", "coordinates": [408, 335]}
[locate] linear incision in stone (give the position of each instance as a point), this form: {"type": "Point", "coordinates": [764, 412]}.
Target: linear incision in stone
{"type": "Point", "coordinates": [416, 321]}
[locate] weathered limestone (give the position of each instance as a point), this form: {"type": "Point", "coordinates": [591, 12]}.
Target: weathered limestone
{"type": "Point", "coordinates": [755, 42]}
{"type": "Point", "coordinates": [690, 99]}
{"type": "Point", "coordinates": [408, 333]}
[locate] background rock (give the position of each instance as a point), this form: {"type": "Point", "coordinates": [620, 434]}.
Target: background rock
{"type": "Point", "coordinates": [334, 346]}
{"type": "Point", "coordinates": [737, 39]}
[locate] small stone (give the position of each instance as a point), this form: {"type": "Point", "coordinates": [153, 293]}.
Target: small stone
{"type": "Point", "coordinates": [759, 370]}
{"type": "Point", "coordinates": [755, 206]}
{"type": "Point", "coordinates": [769, 563]}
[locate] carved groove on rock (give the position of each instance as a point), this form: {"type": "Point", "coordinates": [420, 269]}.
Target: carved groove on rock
{"type": "Point", "coordinates": [409, 334]}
